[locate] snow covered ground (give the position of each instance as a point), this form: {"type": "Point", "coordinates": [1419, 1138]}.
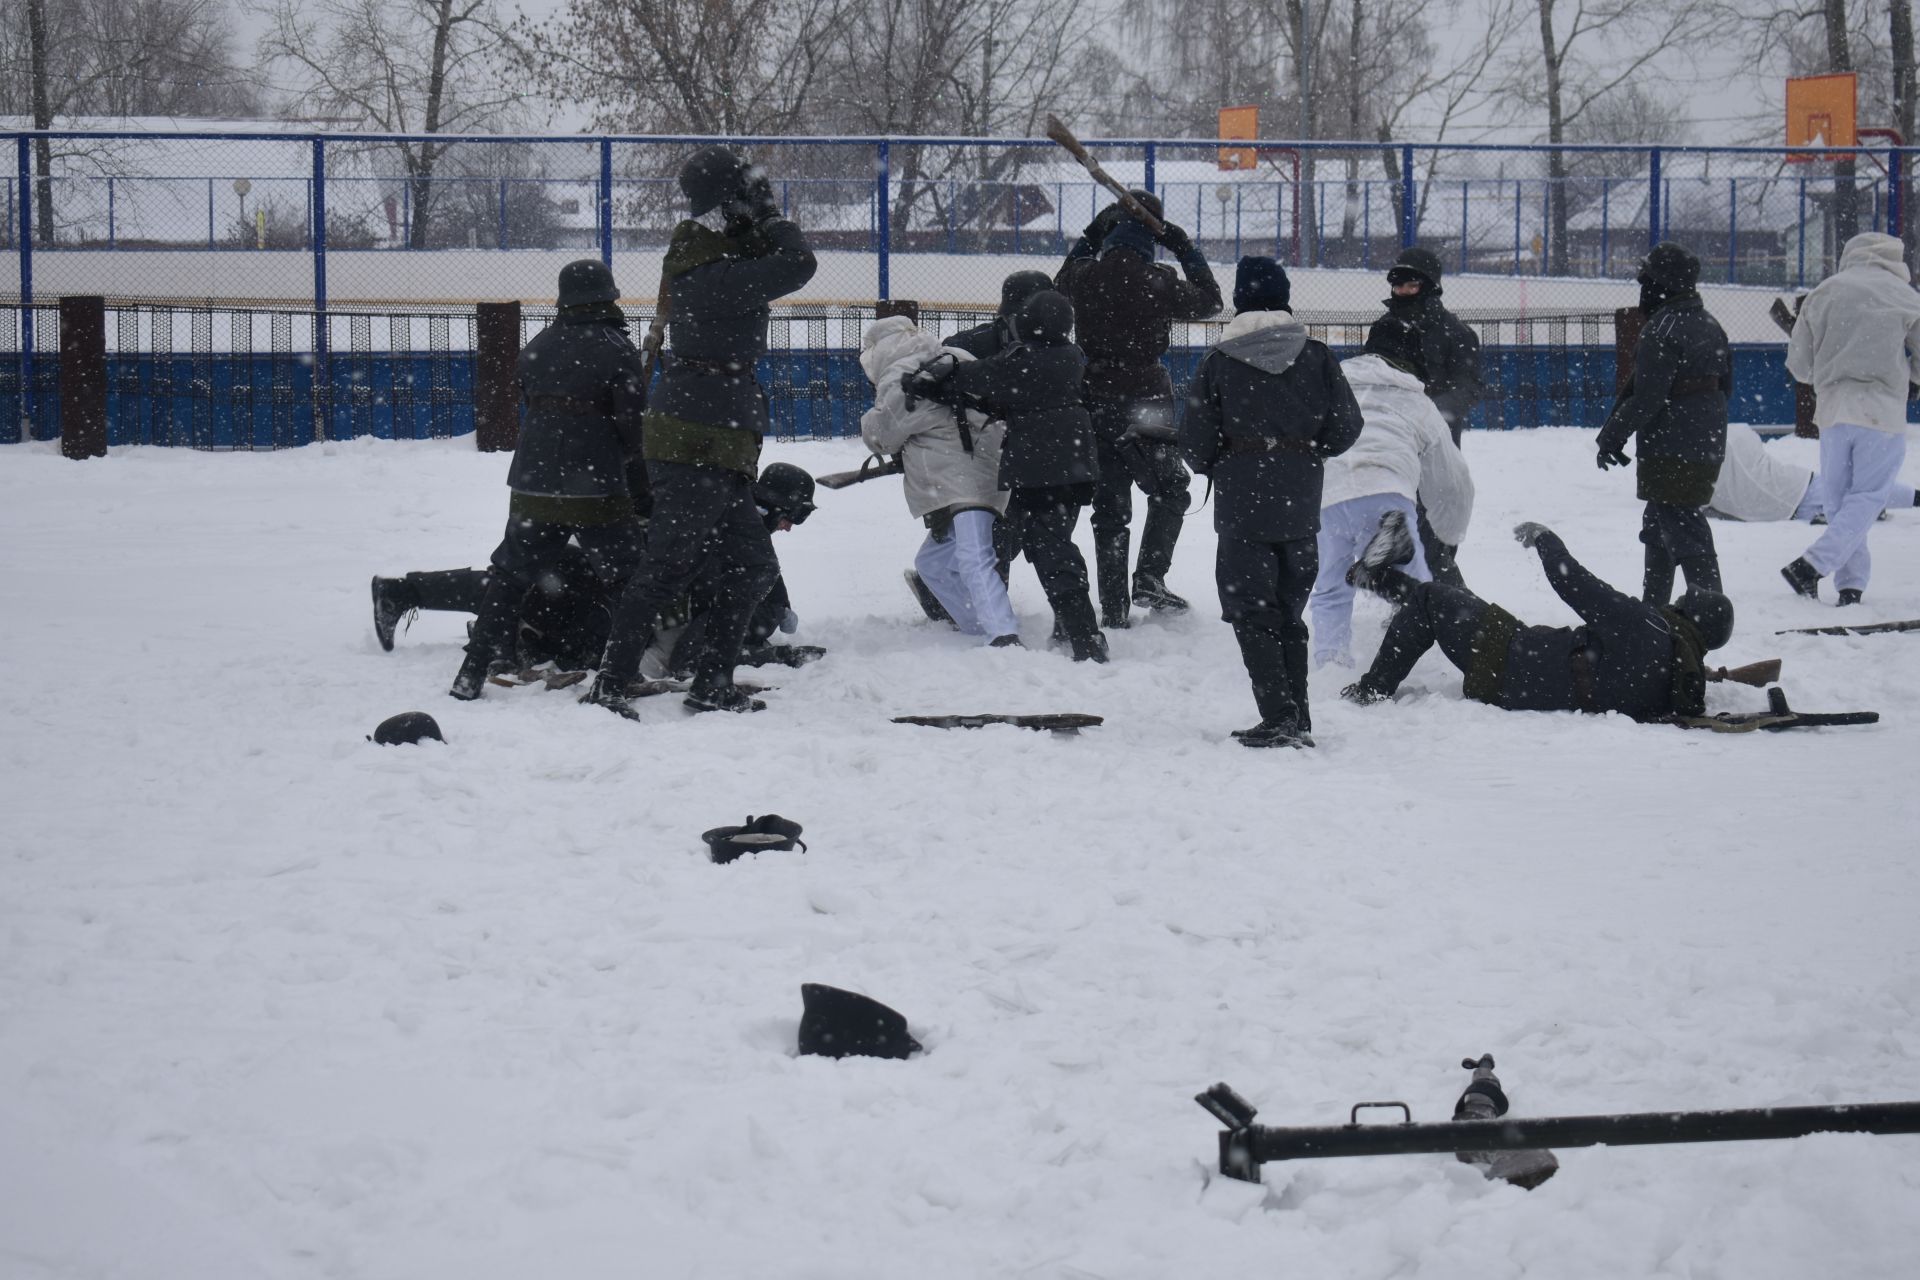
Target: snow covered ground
{"type": "Point", "coordinates": [275, 1002]}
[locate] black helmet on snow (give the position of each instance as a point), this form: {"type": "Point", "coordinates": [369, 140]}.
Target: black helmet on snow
{"type": "Point", "coordinates": [785, 490]}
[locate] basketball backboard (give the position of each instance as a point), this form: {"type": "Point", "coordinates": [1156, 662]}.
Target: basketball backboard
{"type": "Point", "coordinates": [1239, 122]}
{"type": "Point", "coordinates": [1822, 111]}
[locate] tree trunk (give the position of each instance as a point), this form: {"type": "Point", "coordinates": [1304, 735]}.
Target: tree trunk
{"type": "Point", "coordinates": [1351, 216]}
{"type": "Point", "coordinates": [1556, 229]}
{"type": "Point", "coordinates": [1900, 19]}
{"type": "Point", "coordinates": [423, 162]}
{"type": "Point", "coordinates": [42, 116]}
{"type": "Point", "coordinates": [1846, 194]}
{"type": "Point", "coordinates": [1308, 190]}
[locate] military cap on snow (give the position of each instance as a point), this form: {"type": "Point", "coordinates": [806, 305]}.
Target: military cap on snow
{"type": "Point", "coordinates": [1416, 261]}
{"type": "Point", "coordinates": [405, 729]}
{"type": "Point", "coordinates": [1398, 343]}
{"type": "Point", "coordinates": [712, 177]}
{"type": "Point", "coordinates": [785, 489]}
{"type": "Point", "coordinates": [1020, 286]}
{"type": "Point", "coordinates": [585, 281]}
{"type": "Point", "coordinates": [1045, 319]}
{"type": "Point", "coordinates": [838, 1024]}
{"type": "Point", "coordinates": [1261, 284]}
{"type": "Point", "coordinates": [1711, 614]}
{"type": "Point", "coordinates": [767, 832]}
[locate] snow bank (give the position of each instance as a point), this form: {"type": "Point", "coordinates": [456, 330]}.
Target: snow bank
{"type": "Point", "coordinates": [275, 997]}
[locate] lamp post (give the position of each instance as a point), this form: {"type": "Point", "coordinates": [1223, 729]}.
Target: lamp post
{"type": "Point", "coordinates": [240, 188]}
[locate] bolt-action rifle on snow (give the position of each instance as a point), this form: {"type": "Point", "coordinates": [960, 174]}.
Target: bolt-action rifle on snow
{"type": "Point", "coordinates": [1517, 1149]}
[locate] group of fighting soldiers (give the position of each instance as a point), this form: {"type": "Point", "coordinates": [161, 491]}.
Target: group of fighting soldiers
{"type": "Point", "coordinates": [670, 512]}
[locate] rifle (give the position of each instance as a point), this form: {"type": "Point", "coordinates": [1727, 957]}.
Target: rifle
{"type": "Point", "coordinates": [1245, 1146]}
{"type": "Point", "coordinates": [1059, 133]}
{"type": "Point", "coordinates": [1864, 629]}
{"type": "Point", "coordinates": [1757, 674]}
{"type": "Point", "coordinates": [872, 469]}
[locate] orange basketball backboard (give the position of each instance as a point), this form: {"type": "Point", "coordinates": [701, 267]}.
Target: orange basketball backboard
{"type": "Point", "coordinates": [1821, 112]}
{"type": "Point", "coordinates": [1239, 122]}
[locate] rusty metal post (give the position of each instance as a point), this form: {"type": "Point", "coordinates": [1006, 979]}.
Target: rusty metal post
{"type": "Point", "coordinates": [496, 397]}
{"type": "Point", "coordinates": [1627, 324]}
{"type": "Point", "coordinates": [83, 377]}
{"type": "Point", "coordinates": [907, 307]}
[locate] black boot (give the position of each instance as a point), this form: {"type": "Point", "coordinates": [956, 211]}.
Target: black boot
{"type": "Point", "coordinates": [1275, 733]}
{"type": "Point", "coordinates": [393, 600]}
{"type": "Point", "coordinates": [929, 602]}
{"type": "Point", "coordinates": [474, 670]}
{"type": "Point", "coordinates": [1295, 649]}
{"type": "Point", "coordinates": [1150, 592]}
{"type": "Point", "coordinates": [1110, 580]}
{"type": "Point", "coordinates": [1803, 578]}
{"type": "Point", "coordinates": [610, 692]}
{"type": "Point", "coordinates": [723, 697]}
{"type": "Point", "coordinates": [1090, 648]}
{"type": "Point", "coordinates": [1849, 595]}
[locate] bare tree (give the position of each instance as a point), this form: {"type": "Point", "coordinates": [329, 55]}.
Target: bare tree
{"type": "Point", "coordinates": [966, 67]}
{"type": "Point", "coordinates": [422, 67]}
{"type": "Point", "coordinates": [687, 66]}
{"type": "Point", "coordinates": [1900, 46]}
{"type": "Point", "coordinates": [1589, 51]}
{"type": "Point", "coordinates": [114, 57]}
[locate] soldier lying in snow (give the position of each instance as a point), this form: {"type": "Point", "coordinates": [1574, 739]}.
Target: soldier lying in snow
{"type": "Point", "coordinates": [1642, 660]}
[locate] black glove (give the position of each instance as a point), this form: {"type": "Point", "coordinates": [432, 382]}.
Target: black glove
{"type": "Point", "coordinates": [1528, 532]}
{"type": "Point", "coordinates": [1612, 458]}
{"type": "Point", "coordinates": [1103, 223]}
{"type": "Point", "coordinates": [1174, 239]}
{"type": "Point", "coordinates": [927, 383]}
{"type": "Point", "coordinates": [1913, 391]}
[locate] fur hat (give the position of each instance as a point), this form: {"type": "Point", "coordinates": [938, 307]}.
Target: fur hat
{"type": "Point", "coordinates": [1261, 284]}
{"type": "Point", "coordinates": [1415, 261]}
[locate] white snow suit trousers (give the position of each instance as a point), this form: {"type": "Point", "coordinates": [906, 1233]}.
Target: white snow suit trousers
{"type": "Point", "coordinates": [960, 570]}
{"type": "Point", "coordinates": [1345, 529]}
{"type": "Point", "coordinates": [1858, 469]}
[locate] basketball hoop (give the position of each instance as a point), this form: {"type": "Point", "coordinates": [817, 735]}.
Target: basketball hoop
{"type": "Point", "coordinates": [1822, 111]}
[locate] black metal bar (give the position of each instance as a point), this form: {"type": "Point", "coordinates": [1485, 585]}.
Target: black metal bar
{"type": "Point", "coordinates": [1259, 1144]}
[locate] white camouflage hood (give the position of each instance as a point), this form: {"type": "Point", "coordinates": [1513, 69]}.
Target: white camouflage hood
{"type": "Point", "coordinates": [1876, 249]}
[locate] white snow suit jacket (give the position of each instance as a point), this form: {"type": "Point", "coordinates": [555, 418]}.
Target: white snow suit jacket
{"type": "Point", "coordinates": [940, 470]}
{"type": "Point", "coordinates": [1858, 338]}
{"type": "Point", "coordinates": [1405, 448]}
{"type": "Point", "coordinates": [1755, 482]}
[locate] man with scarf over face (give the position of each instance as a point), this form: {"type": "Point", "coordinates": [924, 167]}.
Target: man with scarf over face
{"type": "Point", "coordinates": [1677, 405]}
{"type": "Point", "coordinates": [575, 474]}
{"type": "Point", "coordinates": [1450, 369]}
{"type": "Point", "coordinates": [724, 267]}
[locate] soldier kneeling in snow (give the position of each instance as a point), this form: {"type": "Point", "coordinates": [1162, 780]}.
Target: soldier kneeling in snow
{"type": "Point", "coordinates": [951, 461]}
{"type": "Point", "coordinates": [1643, 660]}
{"type": "Point", "coordinates": [564, 616]}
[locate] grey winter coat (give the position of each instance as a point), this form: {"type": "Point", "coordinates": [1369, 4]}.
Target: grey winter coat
{"type": "Point", "coordinates": [943, 468]}
{"type": "Point", "coordinates": [581, 404]}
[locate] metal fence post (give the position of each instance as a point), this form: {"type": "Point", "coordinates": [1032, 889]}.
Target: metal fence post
{"type": "Point", "coordinates": [1151, 157]}
{"type": "Point", "coordinates": [496, 403]}
{"type": "Point", "coordinates": [1896, 202]}
{"type": "Point", "coordinates": [322, 402]}
{"type": "Point", "coordinates": [1407, 204]}
{"type": "Point", "coordinates": [1733, 230]}
{"type": "Point", "coordinates": [501, 231]}
{"type": "Point", "coordinates": [606, 201]}
{"type": "Point", "coordinates": [883, 285]}
{"type": "Point", "coordinates": [1653, 197]}
{"type": "Point", "coordinates": [25, 172]}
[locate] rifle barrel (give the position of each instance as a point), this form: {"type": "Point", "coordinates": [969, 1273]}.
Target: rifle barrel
{"type": "Point", "coordinates": [1257, 1144]}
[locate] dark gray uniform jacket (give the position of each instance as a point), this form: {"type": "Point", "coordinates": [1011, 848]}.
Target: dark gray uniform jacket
{"type": "Point", "coordinates": [710, 411]}
{"type": "Point", "coordinates": [983, 340]}
{"type": "Point", "coordinates": [1451, 352]}
{"type": "Point", "coordinates": [1630, 648]}
{"type": "Point", "coordinates": [1124, 307]}
{"type": "Point", "coordinates": [581, 405]}
{"type": "Point", "coordinates": [1676, 404]}
{"type": "Point", "coordinates": [1035, 389]}
{"type": "Point", "coordinates": [1277, 387]}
